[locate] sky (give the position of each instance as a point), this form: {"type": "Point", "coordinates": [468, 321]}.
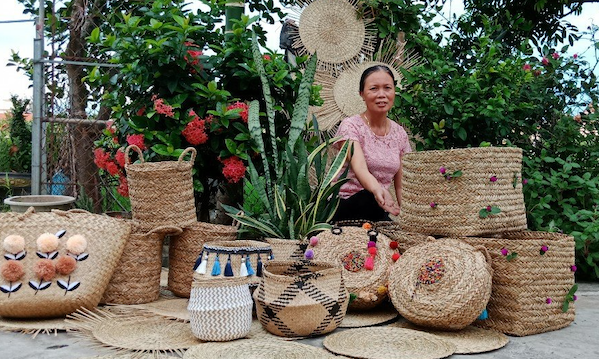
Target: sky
{"type": "Point", "coordinates": [18, 37]}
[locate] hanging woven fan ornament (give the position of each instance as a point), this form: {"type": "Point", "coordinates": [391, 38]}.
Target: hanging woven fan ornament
{"type": "Point", "coordinates": [335, 31]}
{"type": "Point", "coordinates": [340, 92]}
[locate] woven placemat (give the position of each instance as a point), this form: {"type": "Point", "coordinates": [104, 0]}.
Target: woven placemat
{"type": "Point", "coordinates": [169, 307]}
{"type": "Point", "coordinates": [469, 340]}
{"type": "Point", "coordinates": [369, 318]}
{"type": "Point", "coordinates": [255, 348]}
{"type": "Point", "coordinates": [34, 326]}
{"type": "Point", "coordinates": [132, 332]}
{"type": "Point", "coordinates": [388, 343]}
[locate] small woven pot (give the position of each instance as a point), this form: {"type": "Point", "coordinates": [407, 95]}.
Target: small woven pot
{"type": "Point", "coordinates": [136, 279]}
{"type": "Point", "coordinates": [365, 275]}
{"type": "Point", "coordinates": [161, 193]}
{"type": "Point", "coordinates": [530, 285]}
{"type": "Point", "coordinates": [220, 310]}
{"type": "Point", "coordinates": [185, 248]}
{"type": "Point", "coordinates": [301, 298]}
{"type": "Point", "coordinates": [485, 199]}
{"type": "Point", "coordinates": [444, 284]}
{"type": "Point", "coordinates": [286, 249]}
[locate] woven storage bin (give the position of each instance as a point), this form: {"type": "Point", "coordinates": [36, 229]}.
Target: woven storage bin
{"type": "Point", "coordinates": [444, 284]}
{"type": "Point", "coordinates": [220, 309]}
{"type": "Point", "coordinates": [434, 205]}
{"type": "Point", "coordinates": [287, 249]}
{"type": "Point", "coordinates": [301, 298]}
{"type": "Point", "coordinates": [233, 259]}
{"type": "Point", "coordinates": [522, 285]}
{"type": "Point", "coordinates": [136, 279]}
{"type": "Point", "coordinates": [404, 239]}
{"type": "Point", "coordinates": [74, 270]}
{"type": "Point", "coordinates": [347, 248]}
{"type": "Point", "coordinates": [161, 193]}
{"type": "Point", "coordinates": [185, 248]}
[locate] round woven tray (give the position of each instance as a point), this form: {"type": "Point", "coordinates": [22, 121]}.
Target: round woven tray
{"type": "Point", "coordinates": [256, 348]}
{"type": "Point", "coordinates": [369, 318]}
{"type": "Point", "coordinates": [444, 284]}
{"type": "Point", "coordinates": [469, 340]}
{"type": "Point", "coordinates": [388, 343]}
{"type": "Point", "coordinates": [34, 326]}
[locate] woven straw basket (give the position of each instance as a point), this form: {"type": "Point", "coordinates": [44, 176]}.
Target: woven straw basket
{"type": "Point", "coordinates": [444, 284]}
{"type": "Point", "coordinates": [491, 178]}
{"type": "Point", "coordinates": [521, 286]}
{"type": "Point", "coordinates": [301, 298]}
{"type": "Point", "coordinates": [286, 249]}
{"type": "Point", "coordinates": [161, 193]}
{"type": "Point", "coordinates": [185, 248]}
{"type": "Point", "coordinates": [74, 271]}
{"type": "Point", "coordinates": [347, 248]}
{"type": "Point", "coordinates": [220, 309]}
{"type": "Point", "coordinates": [136, 279]}
{"type": "Point", "coordinates": [404, 239]}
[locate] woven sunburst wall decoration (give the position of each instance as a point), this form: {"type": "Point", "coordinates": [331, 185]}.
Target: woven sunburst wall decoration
{"type": "Point", "coordinates": [340, 91]}
{"type": "Point", "coordinates": [334, 31]}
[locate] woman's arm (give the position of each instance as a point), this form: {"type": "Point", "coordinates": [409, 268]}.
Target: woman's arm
{"type": "Point", "coordinates": [397, 184]}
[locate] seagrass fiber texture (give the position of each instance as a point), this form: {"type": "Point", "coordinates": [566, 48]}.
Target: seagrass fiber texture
{"type": "Point", "coordinates": [136, 280]}
{"type": "Point", "coordinates": [161, 193]}
{"type": "Point", "coordinates": [220, 309]}
{"type": "Point", "coordinates": [388, 343]}
{"type": "Point", "coordinates": [256, 348]}
{"type": "Point", "coordinates": [301, 298]}
{"type": "Point", "coordinates": [365, 274]}
{"type": "Point", "coordinates": [185, 248]}
{"type": "Point", "coordinates": [533, 273]}
{"type": "Point", "coordinates": [56, 262]}
{"type": "Point", "coordinates": [286, 249]}
{"type": "Point", "coordinates": [444, 284]}
{"type": "Point", "coordinates": [403, 239]}
{"type": "Point", "coordinates": [463, 192]}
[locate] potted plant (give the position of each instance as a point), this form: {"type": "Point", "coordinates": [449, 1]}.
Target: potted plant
{"type": "Point", "coordinates": [15, 150]}
{"type": "Point", "coordinates": [289, 206]}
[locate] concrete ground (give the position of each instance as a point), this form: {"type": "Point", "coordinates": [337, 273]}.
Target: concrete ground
{"type": "Point", "coordinates": [580, 340]}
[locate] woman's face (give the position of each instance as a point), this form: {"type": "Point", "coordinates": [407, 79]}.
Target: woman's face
{"type": "Point", "coordinates": [379, 92]}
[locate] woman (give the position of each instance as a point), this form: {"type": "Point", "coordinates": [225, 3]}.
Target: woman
{"type": "Point", "coordinates": [378, 145]}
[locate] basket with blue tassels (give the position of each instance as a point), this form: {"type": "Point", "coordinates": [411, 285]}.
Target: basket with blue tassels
{"type": "Point", "coordinates": [243, 258]}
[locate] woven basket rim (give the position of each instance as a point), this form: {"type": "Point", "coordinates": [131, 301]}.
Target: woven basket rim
{"type": "Point", "coordinates": [204, 281]}
{"type": "Point", "coordinates": [321, 267]}
{"type": "Point", "coordinates": [469, 150]}
{"type": "Point", "coordinates": [224, 245]}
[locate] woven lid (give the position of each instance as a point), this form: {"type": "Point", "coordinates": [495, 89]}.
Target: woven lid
{"type": "Point", "coordinates": [369, 318]}
{"type": "Point", "coordinates": [333, 29]}
{"type": "Point", "coordinates": [444, 284]}
{"type": "Point", "coordinates": [469, 340]}
{"type": "Point", "coordinates": [388, 343]}
{"type": "Point", "coordinates": [256, 348]}
{"type": "Point", "coordinates": [34, 326]}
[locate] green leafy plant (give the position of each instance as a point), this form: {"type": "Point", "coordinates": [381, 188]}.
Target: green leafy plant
{"type": "Point", "coordinates": [15, 139]}
{"type": "Point", "coordinates": [489, 211]}
{"type": "Point", "coordinates": [570, 297]}
{"type": "Point", "coordinates": [293, 207]}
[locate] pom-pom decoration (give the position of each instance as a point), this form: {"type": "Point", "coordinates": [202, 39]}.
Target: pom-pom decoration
{"type": "Point", "coordinates": [548, 301]}
{"type": "Point", "coordinates": [393, 245]}
{"type": "Point", "coordinates": [44, 269]}
{"type": "Point", "coordinates": [395, 256]}
{"type": "Point", "coordinates": [367, 226]}
{"type": "Point", "coordinates": [65, 265]}
{"type": "Point", "coordinates": [76, 244]}
{"type": "Point", "coordinates": [372, 251]}
{"type": "Point", "coordinates": [313, 241]}
{"type": "Point", "coordinates": [14, 244]}
{"type": "Point", "coordinates": [309, 254]}
{"type": "Point", "coordinates": [47, 243]}
{"type": "Point", "coordinates": [371, 244]}
{"type": "Point", "coordinates": [12, 271]}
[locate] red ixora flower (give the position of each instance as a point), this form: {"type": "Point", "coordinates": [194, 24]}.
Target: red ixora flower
{"type": "Point", "coordinates": [137, 140]}
{"type": "Point", "coordinates": [112, 168]}
{"type": "Point", "coordinates": [163, 109]}
{"type": "Point", "coordinates": [120, 157]}
{"type": "Point", "coordinates": [123, 188]}
{"type": "Point", "coordinates": [266, 57]}
{"type": "Point", "coordinates": [526, 67]}
{"type": "Point", "coordinates": [233, 169]}
{"type": "Point", "coordinates": [545, 61]}
{"type": "Point", "coordinates": [195, 131]}
{"type": "Point", "coordinates": [244, 110]}
{"type": "Point", "coordinates": [101, 158]}
{"type": "Point", "coordinates": [555, 55]}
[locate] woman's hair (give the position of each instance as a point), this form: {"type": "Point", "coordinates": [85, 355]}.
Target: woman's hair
{"type": "Point", "coordinates": [371, 70]}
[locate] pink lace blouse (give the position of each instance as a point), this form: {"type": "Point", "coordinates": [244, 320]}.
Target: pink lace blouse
{"type": "Point", "coordinates": [382, 153]}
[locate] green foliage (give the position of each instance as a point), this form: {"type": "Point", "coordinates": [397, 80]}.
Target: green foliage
{"type": "Point", "coordinates": [293, 208]}
{"type": "Point", "coordinates": [569, 298]}
{"type": "Point", "coordinates": [15, 144]}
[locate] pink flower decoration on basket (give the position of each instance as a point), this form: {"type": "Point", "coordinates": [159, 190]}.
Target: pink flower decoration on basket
{"type": "Point", "coordinates": [548, 301]}
{"type": "Point", "coordinates": [504, 251]}
{"type": "Point", "coordinates": [493, 179]}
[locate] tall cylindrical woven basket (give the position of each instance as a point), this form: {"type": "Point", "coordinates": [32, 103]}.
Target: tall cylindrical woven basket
{"type": "Point", "coordinates": [444, 284]}
{"type": "Point", "coordinates": [185, 248]}
{"type": "Point", "coordinates": [136, 279]}
{"type": "Point", "coordinates": [533, 273]}
{"type": "Point", "coordinates": [161, 193]}
{"type": "Point", "coordinates": [220, 309]}
{"type": "Point", "coordinates": [301, 298]}
{"type": "Point", "coordinates": [463, 192]}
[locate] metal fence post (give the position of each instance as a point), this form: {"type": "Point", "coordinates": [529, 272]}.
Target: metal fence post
{"type": "Point", "coordinates": [38, 103]}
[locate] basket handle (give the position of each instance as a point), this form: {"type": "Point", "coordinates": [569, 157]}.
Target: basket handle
{"type": "Point", "coordinates": [485, 252]}
{"type": "Point", "coordinates": [170, 230]}
{"type": "Point", "coordinates": [60, 212]}
{"type": "Point", "coordinates": [186, 151]}
{"type": "Point", "coordinates": [27, 213]}
{"type": "Point", "coordinates": [136, 149]}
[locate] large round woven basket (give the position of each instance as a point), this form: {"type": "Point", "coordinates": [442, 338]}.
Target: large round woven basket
{"type": "Point", "coordinates": [463, 192]}
{"type": "Point", "coordinates": [444, 284]}
{"type": "Point", "coordinates": [403, 239]}
{"type": "Point", "coordinates": [161, 193]}
{"type": "Point", "coordinates": [136, 279]}
{"type": "Point", "coordinates": [185, 248]}
{"type": "Point", "coordinates": [530, 285]}
{"type": "Point", "coordinates": [348, 248]}
{"type": "Point", "coordinates": [301, 298]}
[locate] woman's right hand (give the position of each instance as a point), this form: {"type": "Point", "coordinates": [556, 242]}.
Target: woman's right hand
{"type": "Point", "coordinates": [385, 200]}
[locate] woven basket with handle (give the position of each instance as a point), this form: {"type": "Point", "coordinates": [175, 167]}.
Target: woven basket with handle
{"type": "Point", "coordinates": [161, 193]}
